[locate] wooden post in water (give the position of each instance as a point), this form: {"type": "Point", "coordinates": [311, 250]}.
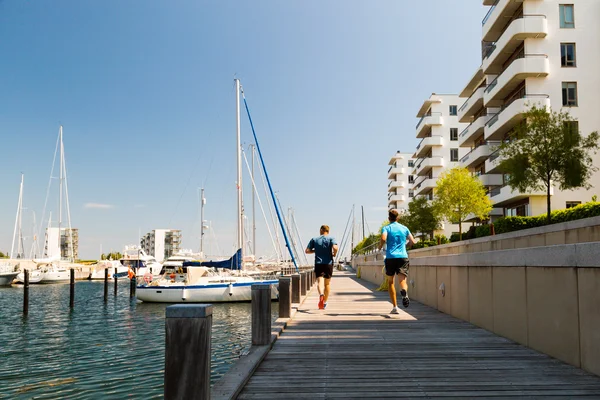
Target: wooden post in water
{"type": "Point", "coordinates": [285, 297]}
{"type": "Point", "coordinates": [26, 292]}
{"type": "Point", "coordinates": [72, 289]}
{"type": "Point", "coordinates": [303, 283]}
{"type": "Point", "coordinates": [187, 351]}
{"type": "Point", "coordinates": [296, 288]}
{"type": "Point", "coordinates": [132, 284]}
{"type": "Point", "coordinates": [106, 285]}
{"type": "Point", "coordinates": [115, 279]}
{"type": "Point", "coordinates": [261, 314]}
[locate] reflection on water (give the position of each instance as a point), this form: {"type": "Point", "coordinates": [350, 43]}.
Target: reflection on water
{"type": "Point", "coordinates": [113, 350]}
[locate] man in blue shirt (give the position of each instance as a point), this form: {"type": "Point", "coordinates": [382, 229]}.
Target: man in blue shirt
{"type": "Point", "coordinates": [396, 236]}
{"type": "Point", "coordinates": [324, 248]}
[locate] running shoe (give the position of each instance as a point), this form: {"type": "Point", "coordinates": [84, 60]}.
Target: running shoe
{"type": "Point", "coordinates": [321, 304]}
{"type": "Point", "coordinates": [405, 299]}
{"type": "Point", "coordinates": [324, 306]}
{"type": "Point", "coordinates": [395, 311]}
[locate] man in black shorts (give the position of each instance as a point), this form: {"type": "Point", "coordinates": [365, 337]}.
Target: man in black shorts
{"type": "Point", "coordinates": [324, 248]}
{"type": "Point", "coordinates": [396, 258]}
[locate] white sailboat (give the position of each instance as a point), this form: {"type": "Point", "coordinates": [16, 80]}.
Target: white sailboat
{"type": "Point", "coordinates": [53, 268]}
{"type": "Point", "coordinates": [8, 273]}
{"type": "Point", "coordinates": [208, 281]}
{"type": "Point", "coordinates": [142, 264]}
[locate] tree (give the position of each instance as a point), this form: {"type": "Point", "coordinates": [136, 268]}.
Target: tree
{"type": "Point", "coordinates": [2, 255]}
{"type": "Point", "coordinates": [458, 194]}
{"type": "Point", "coordinates": [421, 217]}
{"type": "Point", "coordinates": [546, 149]}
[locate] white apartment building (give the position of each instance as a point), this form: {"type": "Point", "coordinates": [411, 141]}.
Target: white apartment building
{"type": "Point", "coordinates": [438, 129]}
{"type": "Point", "coordinates": [401, 180]}
{"type": "Point", "coordinates": [63, 242]}
{"type": "Point", "coordinates": [161, 243]}
{"type": "Point", "coordinates": [533, 52]}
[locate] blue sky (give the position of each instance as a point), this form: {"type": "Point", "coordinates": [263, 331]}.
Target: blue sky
{"type": "Point", "coordinates": [144, 91]}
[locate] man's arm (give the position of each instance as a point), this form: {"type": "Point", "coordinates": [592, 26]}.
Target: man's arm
{"type": "Point", "coordinates": [309, 251]}
{"type": "Point", "coordinates": [383, 239]}
{"type": "Point", "coordinates": [410, 241]}
{"type": "Point", "coordinates": [334, 249]}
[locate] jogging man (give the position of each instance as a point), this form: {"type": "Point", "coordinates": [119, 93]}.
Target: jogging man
{"type": "Point", "coordinates": [396, 236]}
{"type": "Point", "coordinates": [324, 248]}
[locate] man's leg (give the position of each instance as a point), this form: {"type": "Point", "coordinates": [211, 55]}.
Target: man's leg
{"type": "Point", "coordinates": [320, 285]}
{"type": "Point", "coordinates": [327, 289]}
{"type": "Point", "coordinates": [403, 290]}
{"type": "Point", "coordinates": [392, 290]}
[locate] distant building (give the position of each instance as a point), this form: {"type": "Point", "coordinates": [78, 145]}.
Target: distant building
{"type": "Point", "coordinates": [401, 179]}
{"type": "Point", "coordinates": [67, 246]}
{"type": "Point", "coordinates": [161, 243]}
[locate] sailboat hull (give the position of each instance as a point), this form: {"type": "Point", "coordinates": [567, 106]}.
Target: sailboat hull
{"type": "Point", "coordinates": [210, 293]}
{"type": "Point", "coordinates": [46, 276]}
{"type": "Point", "coordinates": [7, 278]}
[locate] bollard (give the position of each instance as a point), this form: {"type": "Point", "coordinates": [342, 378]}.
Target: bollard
{"type": "Point", "coordinates": [261, 314]}
{"type": "Point", "coordinates": [115, 278]}
{"type": "Point", "coordinates": [187, 351]}
{"type": "Point", "coordinates": [132, 284]}
{"type": "Point", "coordinates": [312, 276]}
{"type": "Point", "coordinates": [26, 292]}
{"type": "Point", "coordinates": [285, 297]}
{"type": "Point", "coordinates": [296, 288]}
{"type": "Point", "coordinates": [106, 285]}
{"type": "Point", "coordinates": [72, 289]}
{"type": "Point", "coordinates": [303, 284]}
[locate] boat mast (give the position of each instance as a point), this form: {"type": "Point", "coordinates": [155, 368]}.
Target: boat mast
{"type": "Point", "coordinates": [18, 225]}
{"type": "Point", "coordinates": [202, 202]}
{"type": "Point", "coordinates": [64, 169]}
{"type": "Point", "coordinates": [60, 185]}
{"type": "Point", "coordinates": [240, 230]}
{"type": "Point", "coordinates": [253, 207]}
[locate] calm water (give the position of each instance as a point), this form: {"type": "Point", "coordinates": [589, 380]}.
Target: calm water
{"type": "Point", "coordinates": [113, 350]}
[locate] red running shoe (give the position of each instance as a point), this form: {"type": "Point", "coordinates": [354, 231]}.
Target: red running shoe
{"type": "Point", "coordinates": [321, 302]}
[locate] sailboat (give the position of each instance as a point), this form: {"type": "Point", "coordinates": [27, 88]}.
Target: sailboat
{"type": "Point", "coordinates": [53, 268]}
{"type": "Point", "coordinates": [210, 281]}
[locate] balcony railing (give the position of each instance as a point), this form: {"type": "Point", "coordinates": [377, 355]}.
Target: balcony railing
{"type": "Point", "coordinates": [512, 99]}
{"type": "Point", "coordinates": [495, 191]}
{"type": "Point", "coordinates": [439, 114]}
{"type": "Point", "coordinates": [492, 48]}
{"type": "Point", "coordinates": [485, 143]}
{"type": "Point", "coordinates": [489, 13]}
{"type": "Point", "coordinates": [520, 56]}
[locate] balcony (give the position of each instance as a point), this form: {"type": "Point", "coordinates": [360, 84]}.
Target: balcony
{"type": "Point", "coordinates": [428, 163]}
{"type": "Point", "coordinates": [494, 23]}
{"type": "Point", "coordinates": [393, 185]}
{"type": "Point", "coordinates": [393, 171]}
{"type": "Point", "coordinates": [505, 196]}
{"type": "Point", "coordinates": [425, 186]}
{"type": "Point", "coordinates": [478, 154]}
{"type": "Point", "coordinates": [492, 163]}
{"type": "Point", "coordinates": [512, 114]}
{"type": "Point", "coordinates": [426, 122]}
{"type": "Point", "coordinates": [472, 132]}
{"type": "Point", "coordinates": [396, 198]}
{"type": "Point", "coordinates": [427, 143]}
{"type": "Point", "coordinates": [528, 26]}
{"type": "Point", "coordinates": [471, 106]}
{"type": "Point", "coordinates": [528, 66]}
{"type": "Point", "coordinates": [488, 180]}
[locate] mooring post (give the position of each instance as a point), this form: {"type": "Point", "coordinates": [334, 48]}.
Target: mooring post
{"type": "Point", "coordinates": [26, 292]}
{"type": "Point", "coordinates": [261, 314]}
{"type": "Point", "coordinates": [296, 288]}
{"type": "Point", "coordinates": [115, 279]}
{"type": "Point", "coordinates": [303, 284]}
{"type": "Point", "coordinates": [285, 297]}
{"type": "Point", "coordinates": [187, 351]}
{"type": "Point", "coordinates": [72, 289]}
{"type": "Point", "coordinates": [105, 285]}
{"type": "Point", "coordinates": [132, 284]}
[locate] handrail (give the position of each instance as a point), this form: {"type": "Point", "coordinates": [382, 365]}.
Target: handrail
{"type": "Point", "coordinates": [472, 94]}
{"type": "Point", "coordinates": [427, 115]}
{"type": "Point", "coordinates": [489, 13]}
{"type": "Point", "coordinates": [485, 143]}
{"type": "Point", "coordinates": [493, 120]}
{"type": "Point", "coordinates": [491, 49]}
{"type": "Point", "coordinates": [493, 84]}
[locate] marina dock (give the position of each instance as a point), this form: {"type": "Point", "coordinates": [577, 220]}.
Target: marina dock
{"type": "Point", "coordinates": [356, 349]}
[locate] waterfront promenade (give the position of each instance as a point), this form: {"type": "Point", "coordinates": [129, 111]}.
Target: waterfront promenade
{"type": "Point", "coordinates": [356, 349]}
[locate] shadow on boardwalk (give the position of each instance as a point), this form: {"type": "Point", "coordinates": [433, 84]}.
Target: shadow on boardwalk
{"type": "Point", "coordinates": [356, 350]}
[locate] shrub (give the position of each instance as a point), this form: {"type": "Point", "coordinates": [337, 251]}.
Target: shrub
{"type": "Point", "coordinates": [424, 243]}
{"type": "Point", "coordinates": [441, 239]}
{"type": "Point", "coordinates": [482, 230]}
{"type": "Point", "coordinates": [455, 237]}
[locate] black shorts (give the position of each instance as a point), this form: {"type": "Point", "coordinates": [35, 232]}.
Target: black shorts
{"type": "Point", "coordinates": [324, 270]}
{"type": "Point", "coordinates": [396, 266]}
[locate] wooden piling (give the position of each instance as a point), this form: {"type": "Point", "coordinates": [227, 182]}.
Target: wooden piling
{"type": "Point", "coordinates": [261, 314]}
{"type": "Point", "coordinates": [296, 288]}
{"type": "Point", "coordinates": [303, 283]}
{"type": "Point", "coordinates": [72, 289]}
{"type": "Point", "coordinates": [285, 297]}
{"type": "Point", "coordinates": [106, 285]}
{"type": "Point", "coordinates": [132, 285]}
{"type": "Point", "coordinates": [26, 292]}
{"type": "Point", "coordinates": [116, 281]}
{"type": "Point", "coordinates": [187, 351]}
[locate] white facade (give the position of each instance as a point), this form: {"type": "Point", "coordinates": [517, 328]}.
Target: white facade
{"type": "Point", "coordinates": [161, 243]}
{"type": "Point", "coordinates": [59, 244]}
{"type": "Point", "coordinates": [522, 64]}
{"type": "Point", "coordinates": [401, 179]}
{"type": "Point", "coordinates": [438, 129]}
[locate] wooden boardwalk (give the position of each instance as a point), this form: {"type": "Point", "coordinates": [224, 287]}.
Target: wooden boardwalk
{"type": "Point", "coordinates": [356, 350]}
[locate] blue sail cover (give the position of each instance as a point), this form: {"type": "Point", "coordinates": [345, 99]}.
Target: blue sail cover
{"type": "Point", "coordinates": [234, 263]}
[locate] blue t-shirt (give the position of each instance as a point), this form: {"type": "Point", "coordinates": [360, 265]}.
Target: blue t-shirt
{"type": "Point", "coordinates": [397, 235]}
{"type": "Point", "coordinates": [322, 247]}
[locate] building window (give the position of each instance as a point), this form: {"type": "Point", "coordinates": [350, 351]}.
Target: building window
{"type": "Point", "coordinates": [453, 133]}
{"type": "Point", "coordinates": [520, 211]}
{"type": "Point", "coordinates": [453, 110]}
{"type": "Point", "coordinates": [411, 163]}
{"type": "Point", "coordinates": [567, 15]}
{"type": "Point", "coordinates": [571, 129]}
{"type": "Point", "coordinates": [567, 55]}
{"type": "Point", "coordinates": [569, 94]}
{"type": "Point", "coordinates": [571, 204]}
{"type": "Point", "coordinates": [411, 179]}
{"type": "Point", "coordinates": [411, 193]}
{"type": "Point", "coordinates": [453, 154]}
